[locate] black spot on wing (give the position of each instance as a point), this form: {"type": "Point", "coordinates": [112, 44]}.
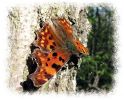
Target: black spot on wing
{"type": "Point", "coordinates": [54, 43]}
{"type": "Point", "coordinates": [46, 64]}
{"type": "Point", "coordinates": [54, 54]}
{"type": "Point", "coordinates": [77, 42]}
{"type": "Point", "coordinates": [55, 66]}
{"type": "Point", "coordinates": [52, 47]}
{"type": "Point", "coordinates": [61, 59]}
{"type": "Point", "coordinates": [48, 76]}
{"type": "Point", "coordinates": [50, 37]}
{"type": "Point", "coordinates": [48, 59]}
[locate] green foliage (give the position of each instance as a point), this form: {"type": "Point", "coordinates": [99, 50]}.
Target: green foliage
{"type": "Point", "coordinates": [96, 70]}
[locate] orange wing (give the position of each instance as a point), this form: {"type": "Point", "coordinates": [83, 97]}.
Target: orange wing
{"type": "Point", "coordinates": [52, 38]}
{"type": "Point", "coordinates": [48, 65]}
{"type": "Point", "coordinates": [50, 62]}
{"type": "Point", "coordinates": [80, 47]}
{"type": "Point", "coordinates": [66, 26]}
{"type": "Point", "coordinates": [63, 28]}
{"type": "Point", "coordinates": [46, 39]}
{"type": "Point", "coordinates": [69, 32]}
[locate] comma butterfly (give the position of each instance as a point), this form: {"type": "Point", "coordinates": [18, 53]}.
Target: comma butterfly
{"type": "Point", "coordinates": [56, 43]}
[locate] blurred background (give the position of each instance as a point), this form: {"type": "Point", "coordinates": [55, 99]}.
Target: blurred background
{"type": "Point", "coordinates": [96, 70]}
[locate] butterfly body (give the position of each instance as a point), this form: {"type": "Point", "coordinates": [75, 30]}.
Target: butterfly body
{"type": "Point", "coordinates": [56, 43]}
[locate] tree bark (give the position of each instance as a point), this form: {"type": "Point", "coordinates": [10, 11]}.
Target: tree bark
{"type": "Point", "coordinates": [24, 21]}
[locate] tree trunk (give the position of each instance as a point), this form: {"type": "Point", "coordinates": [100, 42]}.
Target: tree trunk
{"type": "Point", "coordinates": [24, 21]}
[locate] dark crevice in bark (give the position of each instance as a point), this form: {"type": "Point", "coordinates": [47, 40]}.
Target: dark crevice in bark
{"type": "Point", "coordinates": [32, 65]}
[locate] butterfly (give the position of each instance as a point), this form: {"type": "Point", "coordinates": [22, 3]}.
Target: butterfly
{"type": "Point", "coordinates": [56, 43]}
